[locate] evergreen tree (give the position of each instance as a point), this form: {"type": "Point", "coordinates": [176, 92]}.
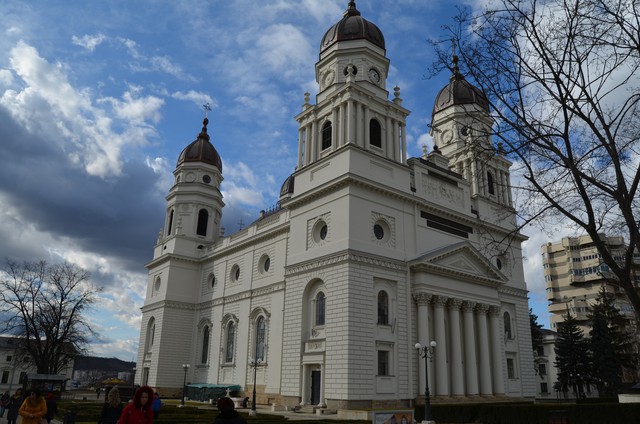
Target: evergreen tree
{"type": "Point", "coordinates": [610, 344]}
{"type": "Point", "coordinates": [572, 356]}
{"type": "Point", "coordinates": [536, 339]}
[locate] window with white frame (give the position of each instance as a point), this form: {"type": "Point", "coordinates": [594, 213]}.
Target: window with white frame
{"type": "Point", "coordinates": [383, 308]}
{"type": "Point", "coordinates": [320, 309]}
{"type": "Point", "coordinates": [206, 335]}
{"type": "Point", "coordinates": [261, 332]}
{"type": "Point", "coordinates": [230, 338]}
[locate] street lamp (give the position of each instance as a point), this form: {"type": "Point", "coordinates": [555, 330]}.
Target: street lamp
{"type": "Point", "coordinates": [185, 367]}
{"type": "Point", "coordinates": [254, 364]}
{"type": "Point", "coordinates": [427, 353]}
{"type": "Point", "coordinates": [133, 382]}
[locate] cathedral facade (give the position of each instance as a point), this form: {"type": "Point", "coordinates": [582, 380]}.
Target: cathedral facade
{"type": "Point", "coordinates": [369, 253]}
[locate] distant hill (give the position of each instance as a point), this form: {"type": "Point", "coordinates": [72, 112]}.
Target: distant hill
{"type": "Point", "coordinates": [102, 364]}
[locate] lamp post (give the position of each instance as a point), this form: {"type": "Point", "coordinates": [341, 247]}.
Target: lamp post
{"type": "Point", "coordinates": [426, 352]}
{"type": "Point", "coordinates": [133, 381]}
{"type": "Point", "coordinates": [185, 367]}
{"type": "Point", "coordinates": [254, 364]}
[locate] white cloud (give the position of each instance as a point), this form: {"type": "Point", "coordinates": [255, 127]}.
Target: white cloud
{"type": "Point", "coordinates": [89, 42]}
{"type": "Point", "coordinates": [136, 110]}
{"type": "Point", "coordinates": [6, 77]}
{"type": "Point", "coordinates": [196, 97]}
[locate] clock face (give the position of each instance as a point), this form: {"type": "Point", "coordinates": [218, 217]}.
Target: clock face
{"type": "Point", "coordinates": [374, 75]}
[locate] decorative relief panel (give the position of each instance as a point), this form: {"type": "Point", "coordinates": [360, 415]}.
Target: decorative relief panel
{"type": "Point", "coordinates": [445, 193]}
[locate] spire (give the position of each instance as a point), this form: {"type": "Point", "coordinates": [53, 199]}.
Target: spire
{"type": "Point", "coordinates": [351, 9]}
{"type": "Point", "coordinates": [203, 133]}
{"type": "Point", "coordinates": [454, 60]}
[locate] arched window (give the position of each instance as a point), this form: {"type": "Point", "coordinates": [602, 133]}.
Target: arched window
{"type": "Point", "coordinates": [383, 308]}
{"type": "Point", "coordinates": [205, 345]}
{"type": "Point", "coordinates": [326, 135]}
{"type": "Point", "coordinates": [203, 218]}
{"type": "Point", "coordinates": [170, 226]}
{"type": "Point", "coordinates": [320, 305]}
{"type": "Point", "coordinates": [231, 336]}
{"type": "Point", "coordinates": [375, 133]}
{"type": "Point", "coordinates": [260, 338]}
{"type": "Point", "coordinates": [151, 333]}
{"type": "Point", "coordinates": [492, 189]}
{"type": "Point", "coordinates": [507, 326]}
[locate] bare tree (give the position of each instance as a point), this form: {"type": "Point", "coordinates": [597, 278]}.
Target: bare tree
{"type": "Point", "coordinates": [43, 306]}
{"type": "Point", "coordinates": [561, 78]}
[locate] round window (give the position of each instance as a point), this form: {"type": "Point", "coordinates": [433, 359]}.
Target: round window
{"type": "Point", "coordinates": [378, 231]}
{"type": "Point", "coordinates": [323, 232]}
{"type": "Point", "coordinates": [320, 231]}
{"type": "Point", "coordinates": [235, 273]}
{"type": "Point", "coordinates": [267, 264]}
{"type": "Point", "coordinates": [499, 263]}
{"type": "Point", "coordinates": [206, 179]}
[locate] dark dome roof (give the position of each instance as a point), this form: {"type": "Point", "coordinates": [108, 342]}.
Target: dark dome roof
{"type": "Point", "coordinates": [287, 186]}
{"type": "Point", "coordinates": [201, 150]}
{"type": "Point", "coordinates": [459, 92]}
{"type": "Point", "coordinates": [352, 27]}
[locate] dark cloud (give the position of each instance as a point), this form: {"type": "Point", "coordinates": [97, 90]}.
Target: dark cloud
{"type": "Point", "coordinates": [117, 217]}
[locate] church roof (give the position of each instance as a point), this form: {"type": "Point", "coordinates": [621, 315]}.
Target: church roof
{"type": "Point", "coordinates": [459, 92]}
{"type": "Point", "coordinates": [352, 26]}
{"type": "Point", "coordinates": [201, 150]}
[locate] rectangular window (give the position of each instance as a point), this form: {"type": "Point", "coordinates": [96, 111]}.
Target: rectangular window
{"type": "Point", "coordinates": [5, 377]}
{"type": "Point", "coordinates": [511, 368]}
{"type": "Point", "coordinates": [9, 358]}
{"type": "Point", "coordinates": [544, 388]}
{"type": "Point", "coordinates": [542, 369]}
{"type": "Point", "coordinates": [383, 362]}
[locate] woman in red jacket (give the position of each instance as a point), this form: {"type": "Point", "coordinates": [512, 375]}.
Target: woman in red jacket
{"type": "Point", "coordinates": [139, 412]}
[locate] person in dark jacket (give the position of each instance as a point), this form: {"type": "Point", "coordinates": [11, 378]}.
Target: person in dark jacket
{"type": "Point", "coordinates": [52, 407]}
{"type": "Point", "coordinates": [112, 408]}
{"type": "Point", "coordinates": [228, 414]}
{"type": "Point", "coordinates": [14, 405]}
{"type": "Point", "coordinates": [139, 411]}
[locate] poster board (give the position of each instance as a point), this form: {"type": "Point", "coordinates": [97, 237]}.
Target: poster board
{"type": "Point", "coordinates": [393, 417]}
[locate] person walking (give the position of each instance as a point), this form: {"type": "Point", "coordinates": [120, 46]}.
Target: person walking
{"type": "Point", "coordinates": [139, 411]}
{"type": "Point", "coordinates": [14, 405]}
{"type": "Point", "coordinates": [4, 403]}
{"type": "Point", "coordinates": [228, 414]}
{"type": "Point", "coordinates": [112, 408]}
{"type": "Point", "coordinates": [33, 409]}
{"type": "Point", "coordinates": [155, 406]}
{"type": "Point", "coordinates": [52, 407]}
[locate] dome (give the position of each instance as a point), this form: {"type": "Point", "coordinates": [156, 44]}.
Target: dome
{"type": "Point", "coordinates": [201, 150]}
{"type": "Point", "coordinates": [352, 27]}
{"type": "Point", "coordinates": [459, 92]}
{"type": "Point", "coordinates": [287, 186]}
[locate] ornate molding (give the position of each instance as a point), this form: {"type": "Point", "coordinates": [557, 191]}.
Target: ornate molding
{"type": "Point", "coordinates": [344, 256]}
{"type": "Point", "coordinates": [468, 306]}
{"type": "Point", "coordinates": [422, 299]}
{"type": "Point", "coordinates": [482, 308]}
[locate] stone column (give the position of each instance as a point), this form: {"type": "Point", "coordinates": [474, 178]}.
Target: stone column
{"type": "Point", "coordinates": [470, 359]}
{"type": "Point", "coordinates": [301, 136]}
{"type": "Point", "coordinates": [387, 140]}
{"type": "Point", "coordinates": [403, 144]}
{"type": "Point", "coordinates": [340, 140]}
{"type": "Point", "coordinates": [334, 129]}
{"type": "Point", "coordinates": [313, 150]}
{"type": "Point", "coordinates": [457, 366]}
{"type": "Point", "coordinates": [496, 350]}
{"type": "Point", "coordinates": [351, 123]}
{"type": "Point", "coordinates": [442, 376]}
{"type": "Point", "coordinates": [394, 153]}
{"type": "Point", "coordinates": [305, 385]}
{"type": "Point", "coordinates": [367, 133]}
{"type": "Point", "coordinates": [321, 400]}
{"type": "Point", "coordinates": [360, 126]}
{"type": "Point", "coordinates": [485, 358]}
{"type": "Point", "coordinates": [423, 300]}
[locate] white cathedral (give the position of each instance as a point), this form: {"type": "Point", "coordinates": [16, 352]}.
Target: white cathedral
{"type": "Point", "coordinates": [368, 253]}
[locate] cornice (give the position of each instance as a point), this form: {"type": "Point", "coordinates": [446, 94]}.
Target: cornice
{"type": "Point", "coordinates": [218, 252]}
{"type": "Point", "coordinates": [512, 291]}
{"type": "Point", "coordinates": [344, 256]}
{"type": "Point", "coordinates": [460, 275]}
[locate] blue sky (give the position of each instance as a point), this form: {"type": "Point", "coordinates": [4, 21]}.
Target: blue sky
{"type": "Point", "coordinates": [98, 98]}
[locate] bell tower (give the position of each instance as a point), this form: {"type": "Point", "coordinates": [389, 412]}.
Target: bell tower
{"type": "Point", "coordinates": [461, 129]}
{"type": "Point", "coordinates": [352, 106]}
{"type": "Point", "coordinates": [194, 203]}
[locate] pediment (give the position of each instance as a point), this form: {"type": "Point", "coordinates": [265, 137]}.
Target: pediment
{"type": "Point", "coordinates": [460, 261]}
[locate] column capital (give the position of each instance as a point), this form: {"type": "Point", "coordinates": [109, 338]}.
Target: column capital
{"type": "Point", "coordinates": [440, 300]}
{"type": "Point", "coordinates": [468, 306]}
{"type": "Point", "coordinates": [422, 298]}
{"type": "Point", "coordinates": [482, 308]}
{"type": "Point", "coordinates": [494, 311]}
{"type": "Point", "coordinates": [455, 303]}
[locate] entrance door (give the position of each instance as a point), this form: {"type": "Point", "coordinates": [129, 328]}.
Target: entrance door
{"type": "Point", "coordinates": [315, 387]}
